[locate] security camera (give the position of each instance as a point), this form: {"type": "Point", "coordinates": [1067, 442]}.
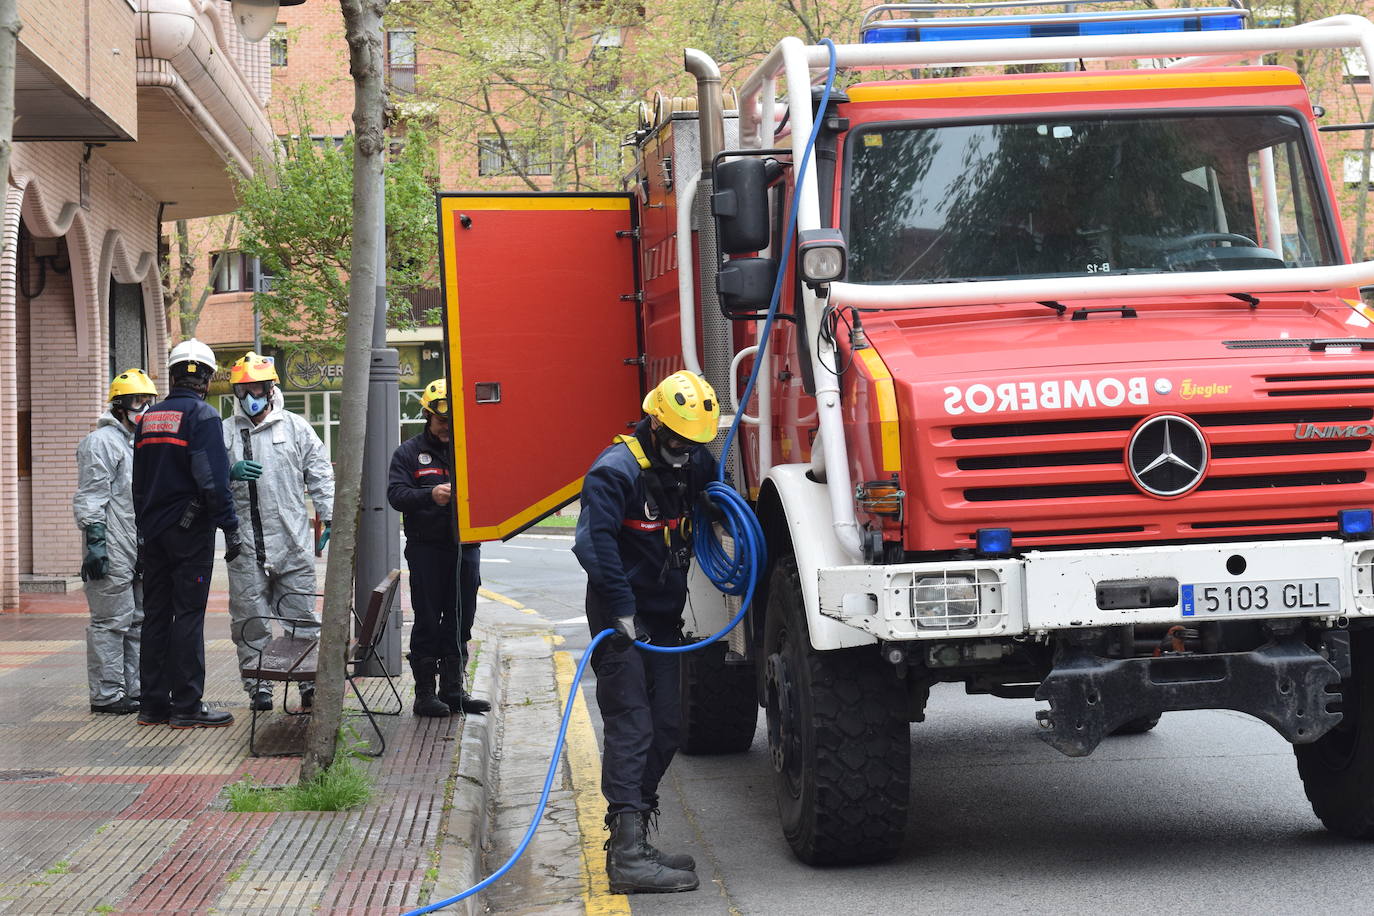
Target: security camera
{"type": "Point", "coordinates": [255, 18]}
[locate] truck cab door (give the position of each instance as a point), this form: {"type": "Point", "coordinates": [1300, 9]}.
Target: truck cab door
{"type": "Point", "coordinates": [541, 331]}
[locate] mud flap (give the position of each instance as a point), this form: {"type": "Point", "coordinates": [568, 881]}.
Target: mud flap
{"type": "Point", "coordinates": [1285, 684]}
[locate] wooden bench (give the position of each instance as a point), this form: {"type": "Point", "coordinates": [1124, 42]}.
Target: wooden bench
{"type": "Point", "coordinates": [295, 659]}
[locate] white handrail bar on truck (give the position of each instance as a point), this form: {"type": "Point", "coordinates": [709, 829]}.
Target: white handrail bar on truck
{"type": "Point", "coordinates": [797, 63]}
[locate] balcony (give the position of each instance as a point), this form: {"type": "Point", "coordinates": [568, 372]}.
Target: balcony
{"type": "Point", "coordinates": [198, 113]}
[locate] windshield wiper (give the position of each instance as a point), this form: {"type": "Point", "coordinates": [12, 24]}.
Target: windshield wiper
{"type": "Point", "coordinates": [1059, 307]}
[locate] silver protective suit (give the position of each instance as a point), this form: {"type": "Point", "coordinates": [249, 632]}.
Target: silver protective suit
{"type": "Point", "coordinates": [275, 574]}
{"type": "Point", "coordinates": [104, 495]}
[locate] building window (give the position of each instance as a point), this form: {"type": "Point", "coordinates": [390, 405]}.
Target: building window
{"type": "Point", "coordinates": [276, 45]}
{"type": "Point", "coordinates": [495, 157]}
{"type": "Point", "coordinates": [232, 272]}
{"type": "Point", "coordinates": [400, 59]}
{"type": "Point", "coordinates": [1353, 166]}
{"type": "Point", "coordinates": [1356, 67]}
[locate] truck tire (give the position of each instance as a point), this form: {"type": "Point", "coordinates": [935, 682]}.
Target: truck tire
{"type": "Point", "coordinates": [720, 706]}
{"type": "Point", "coordinates": [1137, 726]}
{"type": "Point", "coordinates": [838, 737]}
{"type": "Point", "coordinates": [1337, 769]}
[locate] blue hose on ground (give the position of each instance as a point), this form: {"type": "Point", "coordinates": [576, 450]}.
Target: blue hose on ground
{"type": "Point", "coordinates": [733, 574]}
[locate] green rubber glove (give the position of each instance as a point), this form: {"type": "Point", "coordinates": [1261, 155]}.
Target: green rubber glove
{"type": "Point", "coordinates": [97, 560]}
{"type": "Point", "coordinates": [245, 470]}
{"type": "Point", "coordinates": [324, 538]}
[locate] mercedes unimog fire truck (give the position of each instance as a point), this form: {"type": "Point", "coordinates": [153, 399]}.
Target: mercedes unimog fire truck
{"type": "Point", "coordinates": [1068, 392]}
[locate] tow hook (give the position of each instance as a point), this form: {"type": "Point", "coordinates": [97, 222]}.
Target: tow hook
{"type": "Point", "coordinates": [1174, 641]}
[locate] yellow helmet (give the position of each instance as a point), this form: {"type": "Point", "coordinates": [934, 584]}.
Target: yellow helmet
{"type": "Point", "coordinates": [685, 403]}
{"type": "Point", "coordinates": [435, 398]}
{"type": "Point", "coordinates": [131, 381]}
{"type": "Point", "coordinates": [253, 368]}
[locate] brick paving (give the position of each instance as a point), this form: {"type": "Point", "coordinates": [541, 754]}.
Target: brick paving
{"type": "Point", "coordinates": [98, 814]}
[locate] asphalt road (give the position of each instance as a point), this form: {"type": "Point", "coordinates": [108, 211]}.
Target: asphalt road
{"type": "Point", "coordinates": [1203, 815]}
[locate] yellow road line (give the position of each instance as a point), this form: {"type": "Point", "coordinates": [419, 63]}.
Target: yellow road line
{"type": "Point", "coordinates": [508, 602]}
{"type": "Point", "coordinates": [584, 763]}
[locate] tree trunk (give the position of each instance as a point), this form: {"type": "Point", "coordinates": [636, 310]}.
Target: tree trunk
{"type": "Point", "coordinates": [363, 29]}
{"type": "Point", "coordinates": [9, 34]}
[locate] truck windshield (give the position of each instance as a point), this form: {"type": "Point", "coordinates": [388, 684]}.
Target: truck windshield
{"type": "Point", "coordinates": [1083, 194]}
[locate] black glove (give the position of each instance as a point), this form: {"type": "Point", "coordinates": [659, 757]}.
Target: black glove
{"type": "Point", "coordinates": [713, 511]}
{"type": "Point", "coordinates": [232, 545]}
{"type": "Point", "coordinates": [627, 630]}
{"type": "Point", "coordinates": [96, 563]}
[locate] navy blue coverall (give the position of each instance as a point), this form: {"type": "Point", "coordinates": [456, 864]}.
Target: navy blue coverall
{"type": "Point", "coordinates": [181, 494]}
{"type": "Point", "coordinates": [443, 573]}
{"type": "Point", "coordinates": [635, 552]}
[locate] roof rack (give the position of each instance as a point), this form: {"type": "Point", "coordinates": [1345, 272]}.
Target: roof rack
{"type": "Point", "coordinates": [1124, 22]}
{"type": "Point", "coordinates": [1071, 12]}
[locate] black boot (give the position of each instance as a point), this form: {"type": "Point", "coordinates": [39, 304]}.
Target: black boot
{"type": "Point", "coordinates": [426, 703]}
{"type": "Point", "coordinates": [451, 687]}
{"type": "Point", "coordinates": [629, 867]}
{"type": "Point", "coordinates": [676, 860]}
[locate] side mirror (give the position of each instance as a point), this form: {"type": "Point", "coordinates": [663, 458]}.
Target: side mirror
{"type": "Point", "coordinates": [745, 285]}
{"type": "Point", "coordinates": [740, 204]}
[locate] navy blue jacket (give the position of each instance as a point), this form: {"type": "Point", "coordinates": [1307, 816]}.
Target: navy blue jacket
{"type": "Point", "coordinates": [418, 465]}
{"type": "Point", "coordinates": [623, 549]}
{"type": "Point", "coordinates": [179, 456]}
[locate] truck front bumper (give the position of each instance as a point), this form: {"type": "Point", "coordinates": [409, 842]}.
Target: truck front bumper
{"type": "Point", "coordinates": [1043, 591]}
{"type": "Point", "coordinates": [1286, 684]}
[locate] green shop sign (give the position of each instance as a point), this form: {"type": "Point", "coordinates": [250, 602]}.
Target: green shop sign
{"type": "Point", "coordinates": [323, 370]}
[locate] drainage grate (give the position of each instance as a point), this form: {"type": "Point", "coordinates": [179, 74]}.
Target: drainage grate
{"type": "Point", "coordinates": [21, 775]}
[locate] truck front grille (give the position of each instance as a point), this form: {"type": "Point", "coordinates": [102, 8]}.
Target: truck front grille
{"type": "Point", "coordinates": [1065, 481]}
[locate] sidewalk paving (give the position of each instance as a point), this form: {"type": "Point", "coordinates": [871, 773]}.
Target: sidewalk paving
{"type": "Point", "coordinates": [98, 814]}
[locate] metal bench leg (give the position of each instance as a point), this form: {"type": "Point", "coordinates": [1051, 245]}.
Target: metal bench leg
{"type": "Point", "coordinates": [381, 738]}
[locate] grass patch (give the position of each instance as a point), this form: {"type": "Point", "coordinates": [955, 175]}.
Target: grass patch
{"type": "Point", "coordinates": [344, 785]}
{"type": "Point", "coordinates": [558, 521]}
{"type": "Point", "coordinates": [60, 868]}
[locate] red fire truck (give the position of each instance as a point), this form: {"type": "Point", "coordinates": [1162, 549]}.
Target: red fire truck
{"type": "Point", "coordinates": [1067, 391]}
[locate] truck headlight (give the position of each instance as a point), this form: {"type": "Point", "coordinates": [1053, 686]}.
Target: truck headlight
{"type": "Point", "coordinates": [822, 255]}
{"type": "Point", "coordinates": [945, 601]}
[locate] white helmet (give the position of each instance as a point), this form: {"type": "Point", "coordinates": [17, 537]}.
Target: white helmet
{"type": "Point", "coordinates": [192, 351]}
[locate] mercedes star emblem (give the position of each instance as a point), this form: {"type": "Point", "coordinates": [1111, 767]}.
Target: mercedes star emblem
{"type": "Point", "coordinates": [1167, 455]}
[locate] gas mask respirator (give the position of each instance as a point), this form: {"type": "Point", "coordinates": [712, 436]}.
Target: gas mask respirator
{"type": "Point", "coordinates": [673, 449]}
{"type": "Point", "coordinates": [254, 405]}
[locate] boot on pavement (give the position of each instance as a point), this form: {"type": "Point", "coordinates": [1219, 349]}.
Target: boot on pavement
{"type": "Point", "coordinates": [201, 717]}
{"type": "Point", "coordinates": [629, 867]}
{"type": "Point", "coordinates": [675, 860]}
{"type": "Point", "coordinates": [426, 703]}
{"type": "Point", "coordinates": [451, 687]}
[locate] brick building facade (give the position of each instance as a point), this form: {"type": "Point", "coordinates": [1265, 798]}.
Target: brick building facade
{"type": "Point", "coordinates": [128, 112]}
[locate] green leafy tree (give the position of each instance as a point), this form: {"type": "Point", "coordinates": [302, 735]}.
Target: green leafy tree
{"type": "Point", "coordinates": [540, 94]}
{"type": "Point", "coordinates": [297, 218]}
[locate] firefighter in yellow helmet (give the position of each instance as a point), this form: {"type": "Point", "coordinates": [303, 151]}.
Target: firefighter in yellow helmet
{"type": "Point", "coordinates": [444, 575]}
{"type": "Point", "coordinates": [275, 460]}
{"type": "Point", "coordinates": [631, 540]}
{"type": "Point", "coordinates": [104, 510]}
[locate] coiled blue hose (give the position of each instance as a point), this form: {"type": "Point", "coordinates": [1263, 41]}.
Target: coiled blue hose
{"type": "Point", "coordinates": [733, 574]}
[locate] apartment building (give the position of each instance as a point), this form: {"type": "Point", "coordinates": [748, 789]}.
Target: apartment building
{"type": "Point", "coordinates": [128, 113]}
{"type": "Point", "coordinates": [308, 60]}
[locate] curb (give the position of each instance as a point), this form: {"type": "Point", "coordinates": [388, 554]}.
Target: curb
{"type": "Point", "coordinates": [463, 830]}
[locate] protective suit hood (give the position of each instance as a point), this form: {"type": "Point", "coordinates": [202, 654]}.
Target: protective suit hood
{"type": "Point", "coordinates": [109, 419]}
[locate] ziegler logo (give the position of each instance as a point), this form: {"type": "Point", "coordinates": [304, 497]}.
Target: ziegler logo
{"type": "Point", "coordinates": [1353, 431]}
{"type": "Point", "coordinates": [1189, 390]}
{"type": "Point", "coordinates": [1052, 395]}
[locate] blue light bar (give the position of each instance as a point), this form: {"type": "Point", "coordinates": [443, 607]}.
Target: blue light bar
{"type": "Point", "coordinates": [993, 542]}
{"type": "Point", "coordinates": [1355, 523]}
{"type": "Point", "coordinates": [1068, 25]}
